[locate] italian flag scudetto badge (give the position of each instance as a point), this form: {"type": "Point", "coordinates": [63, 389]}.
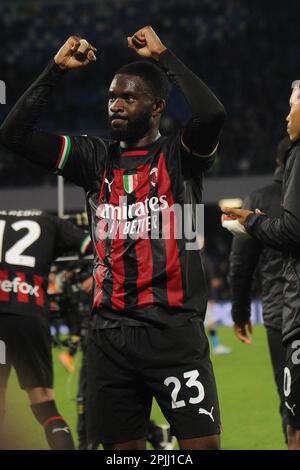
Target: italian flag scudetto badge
{"type": "Point", "coordinates": [130, 182]}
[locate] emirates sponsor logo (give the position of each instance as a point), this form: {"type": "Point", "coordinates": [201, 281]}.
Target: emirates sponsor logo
{"type": "Point", "coordinates": [133, 220]}
{"type": "Point", "coordinates": [154, 217]}
{"type": "Point", "coordinates": [17, 285]}
{"type": "Point", "coordinates": [125, 212]}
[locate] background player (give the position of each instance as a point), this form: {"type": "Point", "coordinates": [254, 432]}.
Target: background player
{"type": "Point", "coordinates": [250, 254]}
{"type": "Point", "coordinates": [283, 233]}
{"type": "Point", "coordinates": [30, 240]}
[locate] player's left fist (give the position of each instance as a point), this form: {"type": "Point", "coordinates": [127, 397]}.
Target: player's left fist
{"type": "Point", "coordinates": [75, 52]}
{"type": "Point", "coordinates": [146, 43]}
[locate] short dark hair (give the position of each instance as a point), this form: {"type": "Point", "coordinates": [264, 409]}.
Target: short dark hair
{"type": "Point", "coordinates": [154, 77]}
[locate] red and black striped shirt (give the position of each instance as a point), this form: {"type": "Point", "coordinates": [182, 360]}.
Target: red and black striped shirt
{"type": "Point", "coordinates": [143, 274]}
{"type": "Point", "coordinates": [30, 240]}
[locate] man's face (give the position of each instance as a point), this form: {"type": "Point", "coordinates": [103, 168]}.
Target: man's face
{"type": "Point", "coordinates": [130, 107]}
{"type": "Point", "coordinates": [293, 117]}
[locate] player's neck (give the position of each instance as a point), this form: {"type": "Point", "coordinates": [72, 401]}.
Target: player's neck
{"type": "Point", "coordinates": [152, 136]}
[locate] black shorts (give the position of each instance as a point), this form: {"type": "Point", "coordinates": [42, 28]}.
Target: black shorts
{"type": "Point", "coordinates": [128, 366]}
{"type": "Point", "coordinates": [28, 350]}
{"type": "Point", "coordinates": [292, 383]}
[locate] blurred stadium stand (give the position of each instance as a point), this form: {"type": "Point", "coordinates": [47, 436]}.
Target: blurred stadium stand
{"type": "Point", "coordinates": [248, 52]}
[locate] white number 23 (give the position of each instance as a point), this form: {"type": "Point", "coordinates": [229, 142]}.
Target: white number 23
{"type": "Point", "coordinates": [192, 381]}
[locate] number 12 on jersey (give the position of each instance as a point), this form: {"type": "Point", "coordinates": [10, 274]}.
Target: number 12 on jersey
{"type": "Point", "coordinates": [14, 255]}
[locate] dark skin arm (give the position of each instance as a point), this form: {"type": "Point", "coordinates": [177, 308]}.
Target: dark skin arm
{"type": "Point", "coordinates": [243, 332]}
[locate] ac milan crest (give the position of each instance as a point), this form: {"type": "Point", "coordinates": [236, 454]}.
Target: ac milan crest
{"type": "Point", "coordinates": [153, 176]}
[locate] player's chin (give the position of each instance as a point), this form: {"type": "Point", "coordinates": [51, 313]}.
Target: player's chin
{"type": "Point", "coordinates": [119, 126]}
{"type": "Point", "coordinates": [118, 133]}
{"type": "Point", "coordinates": [293, 135]}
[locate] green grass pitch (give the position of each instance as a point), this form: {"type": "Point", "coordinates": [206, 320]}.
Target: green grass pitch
{"type": "Point", "coordinates": [248, 399]}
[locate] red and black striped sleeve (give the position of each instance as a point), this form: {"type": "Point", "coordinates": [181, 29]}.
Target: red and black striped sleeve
{"type": "Point", "coordinates": [75, 157]}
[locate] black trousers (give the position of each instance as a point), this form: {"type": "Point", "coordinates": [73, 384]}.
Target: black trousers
{"type": "Point", "coordinates": [278, 353]}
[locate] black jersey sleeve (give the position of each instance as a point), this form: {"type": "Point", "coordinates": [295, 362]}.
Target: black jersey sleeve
{"type": "Point", "coordinates": [200, 136]}
{"type": "Point", "coordinates": [244, 258]}
{"type": "Point", "coordinates": [79, 159]}
{"type": "Point", "coordinates": [281, 232]}
{"type": "Point", "coordinates": [69, 237]}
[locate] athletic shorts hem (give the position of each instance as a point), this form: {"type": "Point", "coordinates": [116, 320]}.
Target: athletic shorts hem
{"type": "Point", "coordinates": [293, 424]}
{"type": "Point", "coordinates": [24, 386]}
{"type": "Point", "coordinates": [195, 435]}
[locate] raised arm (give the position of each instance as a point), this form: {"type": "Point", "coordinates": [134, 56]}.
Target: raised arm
{"type": "Point", "coordinates": [201, 134]}
{"type": "Point", "coordinates": [19, 130]}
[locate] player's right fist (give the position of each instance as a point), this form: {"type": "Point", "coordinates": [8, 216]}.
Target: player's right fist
{"type": "Point", "coordinates": [76, 52]}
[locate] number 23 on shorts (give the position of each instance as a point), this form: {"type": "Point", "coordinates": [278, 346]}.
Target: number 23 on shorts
{"type": "Point", "coordinates": [191, 380]}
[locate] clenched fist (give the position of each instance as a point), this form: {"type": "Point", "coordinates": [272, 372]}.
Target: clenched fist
{"type": "Point", "coordinates": [146, 43]}
{"type": "Point", "coordinates": [68, 56]}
